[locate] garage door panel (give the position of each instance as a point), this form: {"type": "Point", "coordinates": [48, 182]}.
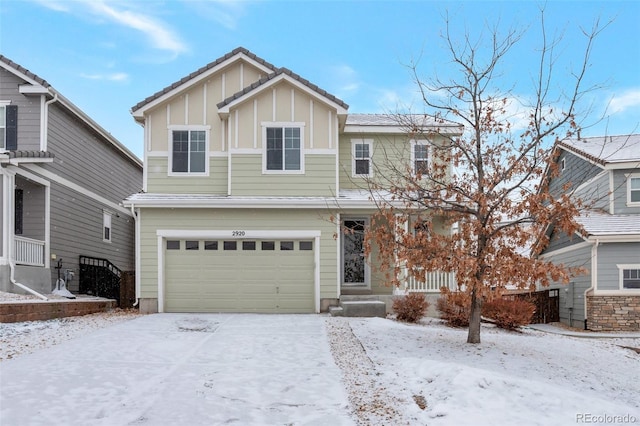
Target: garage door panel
{"type": "Point", "coordinates": [267, 281]}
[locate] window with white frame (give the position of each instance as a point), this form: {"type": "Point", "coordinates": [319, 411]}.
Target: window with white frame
{"type": "Point", "coordinates": [633, 189]}
{"type": "Point", "coordinates": [283, 148]}
{"type": "Point", "coordinates": [361, 150]}
{"type": "Point", "coordinates": [189, 151]}
{"type": "Point", "coordinates": [420, 157]}
{"type": "Point", "coordinates": [106, 227]}
{"type": "Point", "coordinates": [629, 277]}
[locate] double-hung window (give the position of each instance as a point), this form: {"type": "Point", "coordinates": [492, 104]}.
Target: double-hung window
{"type": "Point", "coordinates": [189, 151]}
{"type": "Point", "coordinates": [420, 157]}
{"type": "Point", "coordinates": [633, 189]}
{"type": "Point", "coordinates": [361, 150]}
{"type": "Point", "coordinates": [629, 277]}
{"type": "Point", "coordinates": [283, 149]}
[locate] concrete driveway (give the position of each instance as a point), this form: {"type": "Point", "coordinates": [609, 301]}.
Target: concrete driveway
{"type": "Point", "coordinates": [181, 369]}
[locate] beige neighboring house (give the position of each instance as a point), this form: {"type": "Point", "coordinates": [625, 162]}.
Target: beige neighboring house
{"type": "Point", "coordinates": [250, 171]}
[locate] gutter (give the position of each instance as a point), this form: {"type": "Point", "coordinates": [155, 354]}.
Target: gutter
{"type": "Point", "coordinates": [22, 286]}
{"type": "Point", "coordinates": [45, 125]}
{"type": "Point", "coordinates": [137, 258]}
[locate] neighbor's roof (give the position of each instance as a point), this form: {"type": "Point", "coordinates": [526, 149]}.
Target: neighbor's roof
{"type": "Point", "coordinates": [400, 121]}
{"type": "Point", "coordinates": [606, 150]}
{"type": "Point", "coordinates": [599, 224]}
{"type": "Point", "coordinates": [41, 84]}
{"type": "Point", "coordinates": [202, 70]}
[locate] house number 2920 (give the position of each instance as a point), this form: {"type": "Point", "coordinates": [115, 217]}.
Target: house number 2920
{"type": "Point", "coordinates": [238, 233]}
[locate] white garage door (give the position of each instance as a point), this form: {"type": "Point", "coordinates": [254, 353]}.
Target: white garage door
{"type": "Point", "coordinates": [270, 276]}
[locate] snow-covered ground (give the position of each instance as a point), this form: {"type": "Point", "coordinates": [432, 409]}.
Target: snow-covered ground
{"type": "Point", "coordinates": [400, 374]}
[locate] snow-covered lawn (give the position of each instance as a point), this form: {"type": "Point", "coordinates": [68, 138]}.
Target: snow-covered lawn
{"type": "Point", "coordinates": [392, 373]}
{"type": "Point", "coordinates": [528, 378]}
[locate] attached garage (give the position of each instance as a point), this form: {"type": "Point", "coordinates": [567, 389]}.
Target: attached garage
{"type": "Point", "coordinates": [218, 274]}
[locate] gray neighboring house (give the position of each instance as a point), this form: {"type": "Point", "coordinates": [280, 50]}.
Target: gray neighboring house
{"type": "Point", "coordinates": [605, 172]}
{"type": "Point", "coordinates": [62, 179]}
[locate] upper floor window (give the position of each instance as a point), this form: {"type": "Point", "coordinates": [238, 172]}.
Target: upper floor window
{"type": "Point", "coordinates": [8, 126]}
{"type": "Point", "coordinates": [633, 189]}
{"type": "Point", "coordinates": [361, 154]}
{"type": "Point", "coordinates": [189, 151]}
{"type": "Point", "coordinates": [629, 277]}
{"type": "Point", "coordinates": [420, 157]}
{"type": "Point", "coordinates": [283, 149]}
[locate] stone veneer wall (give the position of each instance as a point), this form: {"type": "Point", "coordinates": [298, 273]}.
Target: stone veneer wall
{"type": "Point", "coordinates": [613, 313]}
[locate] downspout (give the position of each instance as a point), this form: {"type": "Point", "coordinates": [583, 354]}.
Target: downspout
{"type": "Point", "coordinates": [135, 218]}
{"type": "Point", "coordinates": [45, 125]}
{"type": "Point", "coordinates": [22, 286]}
{"type": "Point", "coordinates": [594, 277]}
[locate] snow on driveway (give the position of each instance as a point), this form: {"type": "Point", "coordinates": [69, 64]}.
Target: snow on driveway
{"type": "Point", "coordinates": [181, 369]}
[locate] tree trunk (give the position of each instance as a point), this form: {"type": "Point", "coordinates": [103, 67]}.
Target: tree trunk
{"type": "Point", "coordinates": [474, 319]}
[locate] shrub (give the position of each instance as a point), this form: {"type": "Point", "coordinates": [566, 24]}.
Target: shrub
{"type": "Point", "coordinates": [410, 308]}
{"type": "Point", "coordinates": [454, 308]}
{"type": "Point", "coordinates": [509, 313]}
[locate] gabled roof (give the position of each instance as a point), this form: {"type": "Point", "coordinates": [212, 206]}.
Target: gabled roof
{"type": "Point", "coordinates": [38, 85]}
{"type": "Point", "coordinates": [277, 75]}
{"type": "Point", "coordinates": [608, 151]}
{"type": "Point", "coordinates": [599, 224]}
{"type": "Point", "coordinates": [203, 72]}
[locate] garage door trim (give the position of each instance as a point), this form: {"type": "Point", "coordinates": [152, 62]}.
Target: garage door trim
{"type": "Point", "coordinates": [239, 234]}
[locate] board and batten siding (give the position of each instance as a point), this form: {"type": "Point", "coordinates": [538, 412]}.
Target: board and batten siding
{"type": "Point", "coordinates": [159, 181]}
{"type": "Point", "coordinates": [577, 171]}
{"type": "Point", "coordinates": [612, 254]}
{"type": "Point", "coordinates": [29, 110]}
{"type": "Point", "coordinates": [580, 257]}
{"type": "Point", "coordinates": [235, 219]}
{"type": "Point", "coordinates": [318, 180]}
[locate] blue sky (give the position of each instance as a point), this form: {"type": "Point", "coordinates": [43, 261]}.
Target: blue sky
{"type": "Point", "coordinates": [107, 55]}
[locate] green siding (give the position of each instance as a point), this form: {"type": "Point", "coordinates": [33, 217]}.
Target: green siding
{"type": "Point", "coordinates": [318, 180]}
{"type": "Point", "coordinates": [158, 180]}
{"type": "Point", "coordinates": [235, 219]}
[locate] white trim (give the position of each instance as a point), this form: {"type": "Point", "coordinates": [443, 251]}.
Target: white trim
{"type": "Point", "coordinates": [43, 123]}
{"type": "Point", "coordinates": [213, 154]}
{"type": "Point", "coordinates": [229, 170]}
{"type": "Point", "coordinates": [20, 74]}
{"type": "Point", "coordinates": [339, 255]}
{"type": "Point", "coordinates": [241, 151]}
{"type": "Point", "coordinates": [367, 261]}
{"type": "Point", "coordinates": [107, 223]}
{"type": "Point", "coordinates": [419, 142]}
{"type": "Point", "coordinates": [186, 108]}
{"type": "Point", "coordinates": [163, 234]}
{"type": "Point", "coordinates": [189, 128]}
{"type": "Point", "coordinates": [563, 250]}
{"type": "Point", "coordinates": [329, 129]}
{"type": "Point", "coordinates": [281, 124]}
{"type": "Point", "coordinates": [621, 268]}
{"type": "Point", "coordinates": [137, 215]}
{"type": "Point", "coordinates": [72, 185]}
{"type": "Point", "coordinates": [615, 238]}
{"type": "Point", "coordinates": [310, 123]}
{"type": "Point", "coordinates": [191, 82]}
{"type": "Point", "coordinates": [204, 104]}
{"type": "Point", "coordinates": [620, 293]}
{"type": "Point", "coordinates": [235, 125]}
{"type": "Point", "coordinates": [255, 123]}
{"type": "Point", "coordinates": [355, 142]}
{"type": "Point", "coordinates": [8, 183]}
{"type": "Point", "coordinates": [293, 105]}
{"type": "Point", "coordinates": [153, 154]}
{"type": "Point", "coordinates": [629, 177]}
{"type": "Point", "coordinates": [321, 151]}
{"type": "Point", "coordinates": [222, 134]}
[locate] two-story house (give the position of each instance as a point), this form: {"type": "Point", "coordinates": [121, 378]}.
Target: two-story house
{"type": "Point", "coordinates": [254, 194]}
{"type": "Point", "coordinates": [62, 181]}
{"type": "Point", "coordinates": [605, 173]}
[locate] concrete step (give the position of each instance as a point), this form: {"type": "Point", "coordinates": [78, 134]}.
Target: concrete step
{"type": "Point", "coordinates": [336, 311]}
{"type": "Point", "coordinates": [363, 308]}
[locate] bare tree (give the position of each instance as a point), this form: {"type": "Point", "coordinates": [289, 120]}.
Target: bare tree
{"type": "Point", "coordinates": [485, 181]}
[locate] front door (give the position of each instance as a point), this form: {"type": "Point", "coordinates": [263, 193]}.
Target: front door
{"type": "Point", "coordinates": [354, 265]}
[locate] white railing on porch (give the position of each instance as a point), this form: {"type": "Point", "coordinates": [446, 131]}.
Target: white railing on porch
{"type": "Point", "coordinates": [432, 283]}
{"type": "Point", "coordinates": [28, 251]}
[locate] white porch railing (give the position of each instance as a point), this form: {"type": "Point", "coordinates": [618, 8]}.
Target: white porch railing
{"type": "Point", "coordinates": [432, 283]}
{"type": "Point", "coordinates": [28, 251]}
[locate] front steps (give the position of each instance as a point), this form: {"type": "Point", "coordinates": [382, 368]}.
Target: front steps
{"type": "Point", "coordinates": [359, 308]}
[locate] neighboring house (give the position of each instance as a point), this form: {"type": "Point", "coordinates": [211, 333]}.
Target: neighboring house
{"type": "Point", "coordinates": [250, 174]}
{"type": "Point", "coordinates": [62, 178]}
{"type": "Point", "coordinates": [605, 173]}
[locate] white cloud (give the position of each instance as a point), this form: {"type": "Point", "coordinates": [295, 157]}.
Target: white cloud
{"type": "Point", "coordinates": [118, 76]}
{"type": "Point", "coordinates": [625, 101]}
{"type": "Point", "coordinates": [58, 6]}
{"type": "Point", "coordinates": [225, 12]}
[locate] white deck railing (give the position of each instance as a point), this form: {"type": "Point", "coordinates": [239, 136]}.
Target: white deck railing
{"type": "Point", "coordinates": [28, 251]}
{"type": "Point", "coordinates": [432, 283]}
